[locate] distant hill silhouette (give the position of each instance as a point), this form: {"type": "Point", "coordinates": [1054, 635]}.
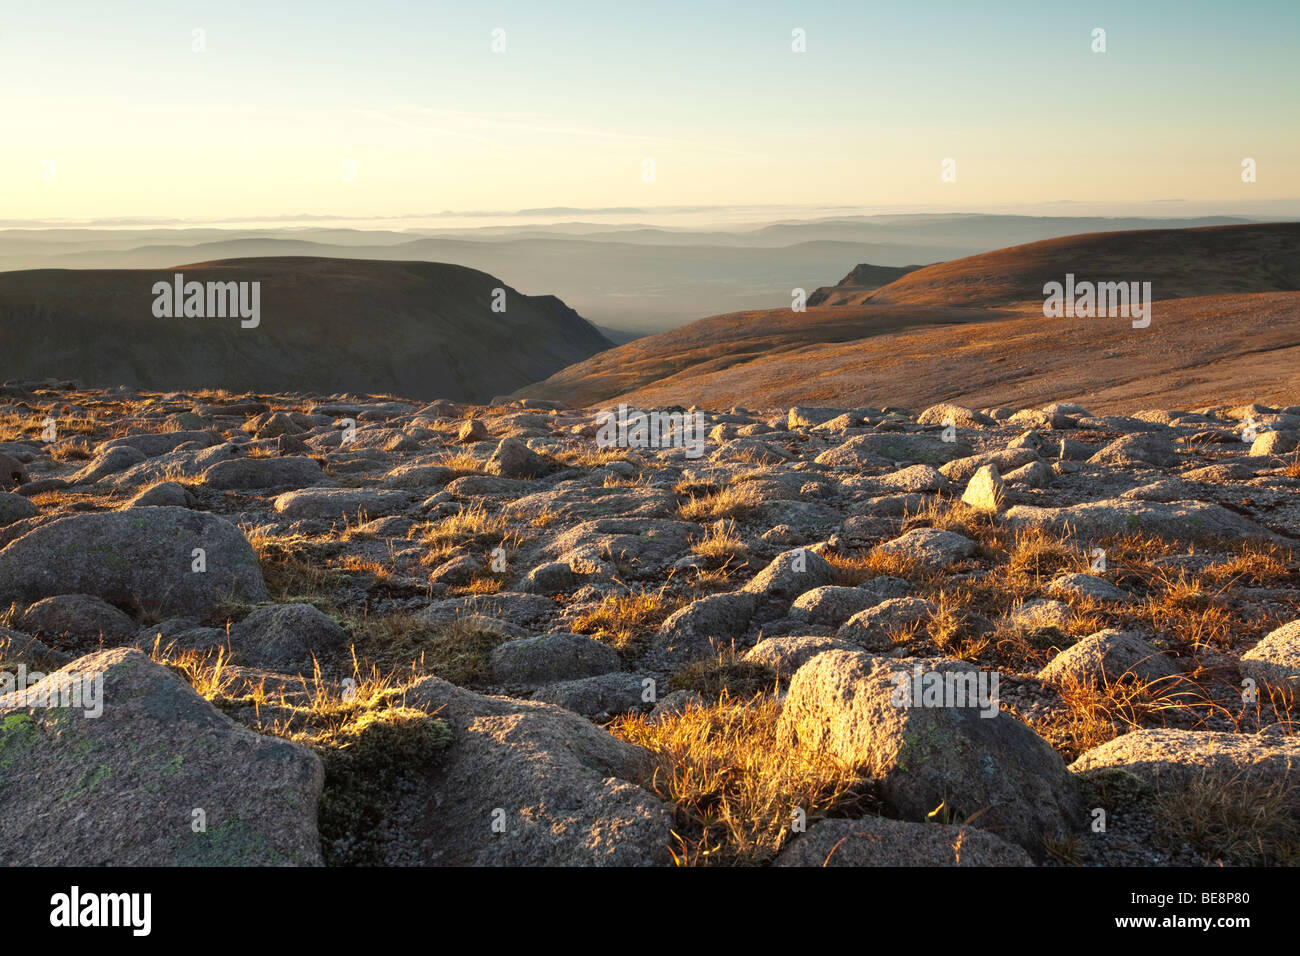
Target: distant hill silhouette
{"type": "Point", "coordinates": [1226, 326]}
{"type": "Point", "coordinates": [418, 329]}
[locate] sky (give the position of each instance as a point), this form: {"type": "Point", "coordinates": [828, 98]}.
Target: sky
{"type": "Point", "coordinates": [387, 108]}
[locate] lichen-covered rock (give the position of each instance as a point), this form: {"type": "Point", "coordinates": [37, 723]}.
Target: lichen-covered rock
{"type": "Point", "coordinates": [693, 632]}
{"type": "Point", "coordinates": [514, 459]}
{"type": "Point", "coordinates": [875, 627]}
{"type": "Point", "coordinates": [785, 655]}
{"type": "Point", "coordinates": [108, 462]}
{"type": "Point", "coordinates": [241, 474]}
{"type": "Point", "coordinates": [165, 494]}
{"type": "Point", "coordinates": [526, 783]}
{"type": "Point", "coordinates": [1145, 448]}
{"type": "Point", "coordinates": [879, 841]}
{"type": "Point", "coordinates": [136, 558]}
{"type": "Point", "coordinates": [833, 605]}
{"type": "Point", "coordinates": [1087, 586]}
{"type": "Point", "coordinates": [12, 472]}
{"type": "Point", "coordinates": [985, 491]}
{"type": "Point", "coordinates": [15, 508]}
{"type": "Point", "coordinates": [1275, 661]}
{"type": "Point", "coordinates": [1109, 656]}
{"type": "Point", "coordinates": [340, 503]}
{"type": "Point", "coordinates": [922, 751]}
{"type": "Point", "coordinates": [1280, 442]}
{"type": "Point", "coordinates": [158, 778]}
{"type": "Point", "coordinates": [899, 448]}
{"type": "Point", "coordinates": [153, 444]}
{"type": "Point", "coordinates": [1171, 761]}
{"type": "Point", "coordinates": [1182, 520]}
{"type": "Point", "coordinates": [550, 658]}
{"type": "Point", "coordinates": [613, 693]}
{"type": "Point", "coordinates": [791, 574]}
{"type": "Point", "coordinates": [287, 637]}
{"type": "Point", "coordinates": [931, 547]}
{"type": "Point", "coordinates": [74, 618]}
{"type": "Point", "coordinates": [958, 416]}
{"type": "Point", "coordinates": [1005, 460]}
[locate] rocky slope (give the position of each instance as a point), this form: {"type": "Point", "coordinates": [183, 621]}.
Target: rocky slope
{"type": "Point", "coordinates": [360, 630]}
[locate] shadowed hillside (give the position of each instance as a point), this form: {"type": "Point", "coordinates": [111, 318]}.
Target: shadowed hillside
{"type": "Point", "coordinates": [421, 329]}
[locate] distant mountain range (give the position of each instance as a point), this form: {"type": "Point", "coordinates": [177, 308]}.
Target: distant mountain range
{"type": "Point", "coordinates": [417, 329]}
{"type": "Point", "coordinates": [634, 278]}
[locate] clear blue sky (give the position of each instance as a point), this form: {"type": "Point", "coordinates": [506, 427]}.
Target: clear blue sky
{"type": "Point", "coordinates": [135, 123]}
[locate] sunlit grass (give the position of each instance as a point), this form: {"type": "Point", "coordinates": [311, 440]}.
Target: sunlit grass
{"type": "Point", "coordinates": [737, 790]}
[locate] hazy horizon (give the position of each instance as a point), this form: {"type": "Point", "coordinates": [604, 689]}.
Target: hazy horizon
{"type": "Point", "coordinates": [689, 218]}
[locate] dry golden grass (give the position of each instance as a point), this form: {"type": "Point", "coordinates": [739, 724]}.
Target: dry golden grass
{"type": "Point", "coordinates": [623, 621]}
{"type": "Point", "coordinates": [734, 501]}
{"type": "Point", "coordinates": [479, 584]}
{"type": "Point", "coordinates": [355, 564]}
{"type": "Point", "coordinates": [735, 787]}
{"type": "Point", "coordinates": [473, 525]}
{"type": "Point", "coordinates": [404, 647]}
{"type": "Point", "coordinates": [1029, 644]}
{"type": "Point", "coordinates": [1291, 464]}
{"type": "Point", "coordinates": [319, 713]}
{"type": "Point", "coordinates": [77, 450]}
{"type": "Point", "coordinates": [296, 568]}
{"type": "Point", "coordinates": [60, 500]}
{"type": "Point", "coordinates": [461, 463]}
{"type": "Point", "coordinates": [753, 456]}
{"type": "Point", "coordinates": [950, 629]}
{"type": "Point", "coordinates": [216, 396]}
{"type": "Point", "coordinates": [79, 425]}
{"type": "Point", "coordinates": [641, 480]}
{"type": "Point", "coordinates": [1181, 591]}
{"type": "Point", "coordinates": [1095, 713]}
{"type": "Point", "coordinates": [951, 514]}
{"type": "Point", "coordinates": [590, 456]}
{"type": "Point", "coordinates": [721, 545]}
{"type": "Point", "coordinates": [855, 569]}
{"type": "Point", "coordinates": [1038, 554]}
{"type": "Point", "coordinates": [205, 671]}
{"type": "Point", "coordinates": [1257, 565]}
{"type": "Point", "coordinates": [1234, 819]}
{"type": "Point", "coordinates": [711, 580]}
{"type": "Point", "coordinates": [545, 518]}
{"type": "Point", "coordinates": [726, 675]}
